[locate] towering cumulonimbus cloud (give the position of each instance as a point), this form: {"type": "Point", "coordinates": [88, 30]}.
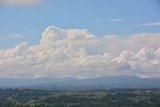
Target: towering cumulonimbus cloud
{"type": "Point", "coordinates": [80, 54]}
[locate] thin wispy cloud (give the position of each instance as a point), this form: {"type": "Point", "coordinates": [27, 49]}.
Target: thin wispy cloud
{"type": "Point", "coordinates": [34, 32]}
{"type": "Point", "coordinates": [110, 21]}
{"type": "Point", "coordinates": [116, 20]}
{"type": "Point", "coordinates": [151, 24]}
{"type": "Point", "coordinates": [98, 20]}
{"type": "Point", "coordinates": [20, 2]}
{"type": "Point", "coordinates": [13, 36]}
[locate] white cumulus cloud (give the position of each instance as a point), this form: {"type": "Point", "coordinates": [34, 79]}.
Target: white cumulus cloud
{"type": "Point", "coordinates": [80, 54]}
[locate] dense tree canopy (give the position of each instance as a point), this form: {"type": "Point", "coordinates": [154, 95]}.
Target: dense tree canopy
{"type": "Point", "coordinates": [88, 98]}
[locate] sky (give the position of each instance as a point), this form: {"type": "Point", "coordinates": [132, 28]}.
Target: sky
{"type": "Point", "coordinates": [117, 37]}
{"type": "Point", "coordinates": [99, 17]}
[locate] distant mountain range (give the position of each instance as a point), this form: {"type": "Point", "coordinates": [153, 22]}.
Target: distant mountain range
{"type": "Point", "coordinates": [71, 83]}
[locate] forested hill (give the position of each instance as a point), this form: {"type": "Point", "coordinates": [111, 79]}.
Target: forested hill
{"type": "Point", "coordinates": [71, 83]}
{"type": "Point", "coordinates": [87, 98]}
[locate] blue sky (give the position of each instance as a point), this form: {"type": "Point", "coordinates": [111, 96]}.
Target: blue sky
{"type": "Point", "coordinates": [100, 17]}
